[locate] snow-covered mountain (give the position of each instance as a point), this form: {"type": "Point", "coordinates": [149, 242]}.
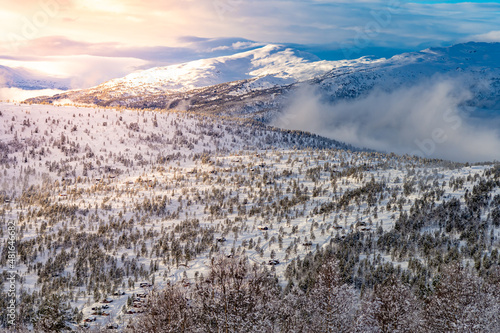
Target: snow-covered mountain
{"type": "Point", "coordinates": [475, 66]}
{"type": "Point", "coordinates": [267, 67]}
{"type": "Point", "coordinates": [28, 80]}
{"type": "Point", "coordinates": [257, 81]}
{"type": "Point", "coordinates": [272, 64]}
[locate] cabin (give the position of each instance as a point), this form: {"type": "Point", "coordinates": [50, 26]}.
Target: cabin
{"type": "Point", "coordinates": [360, 225]}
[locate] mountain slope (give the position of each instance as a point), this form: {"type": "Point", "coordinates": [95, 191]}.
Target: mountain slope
{"type": "Point", "coordinates": [107, 203]}
{"type": "Point", "coordinates": [28, 80]}
{"type": "Point", "coordinates": [257, 82]}
{"type": "Point", "coordinates": [264, 68]}
{"type": "Point", "coordinates": [476, 66]}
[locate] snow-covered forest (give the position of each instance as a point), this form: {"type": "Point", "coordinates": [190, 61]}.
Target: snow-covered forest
{"type": "Point", "coordinates": [156, 221]}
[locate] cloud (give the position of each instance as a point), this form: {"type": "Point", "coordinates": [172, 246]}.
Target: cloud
{"type": "Point", "coordinates": [88, 71]}
{"type": "Point", "coordinates": [490, 37]}
{"type": "Point", "coordinates": [74, 72]}
{"type": "Point", "coordinates": [192, 47]}
{"type": "Point", "coordinates": [16, 94]}
{"type": "Point", "coordinates": [134, 23]}
{"type": "Point", "coordinates": [426, 120]}
{"type": "Point", "coordinates": [89, 64]}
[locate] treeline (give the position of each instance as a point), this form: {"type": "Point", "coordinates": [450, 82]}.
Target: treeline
{"type": "Point", "coordinates": [235, 296]}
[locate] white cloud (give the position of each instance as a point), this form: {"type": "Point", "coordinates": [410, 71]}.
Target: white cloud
{"type": "Point", "coordinates": [245, 45]}
{"type": "Point", "coordinates": [18, 95]}
{"type": "Point", "coordinates": [273, 21]}
{"type": "Point", "coordinates": [490, 37]}
{"type": "Point", "coordinates": [83, 71]}
{"type": "Point", "coordinates": [424, 120]}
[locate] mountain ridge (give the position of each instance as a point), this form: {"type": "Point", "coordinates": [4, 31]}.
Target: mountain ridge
{"type": "Point", "coordinates": [28, 80]}
{"type": "Point", "coordinates": [258, 82]}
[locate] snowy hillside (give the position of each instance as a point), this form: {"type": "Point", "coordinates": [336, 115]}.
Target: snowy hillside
{"type": "Point", "coordinates": [108, 202]}
{"type": "Point", "coordinates": [272, 64]}
{"type": "Point", "coordinates": [258, 83]}
{"type": "Point", "coordinates": [476, 66]}
{"type": "Point", "coordinates": [27, 80]}
{"type": "Point", "coordinates": [263, 68]}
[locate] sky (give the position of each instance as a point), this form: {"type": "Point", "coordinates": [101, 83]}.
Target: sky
{"type": "Point", "coordinates": [91, 41]}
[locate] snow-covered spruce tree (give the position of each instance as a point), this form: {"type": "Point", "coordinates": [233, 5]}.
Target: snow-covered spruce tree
{"type": "Point", "coordinates": [390, 307]}
{"type": "Point", "coordinates": [331, 302]}
{"type": "Point", "coordinates": [52, 315]}
{"type": "Point", "coordinates": [462, 302]}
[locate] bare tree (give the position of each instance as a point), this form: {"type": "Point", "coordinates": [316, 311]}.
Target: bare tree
{"type": "Point", "coordinates": [236, 297]}
{"type": "Point", "coordinates": [332, 302]}
{"type": "Point", "coordinates": [462, 303]}
{"type": "Point", "coordinates": [166, 311]}
{"type": "Point", "coordinates": [391, 307]}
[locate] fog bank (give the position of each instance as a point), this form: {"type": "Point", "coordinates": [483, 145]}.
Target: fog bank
{"type": "Point", "coordinates": [426, 120]}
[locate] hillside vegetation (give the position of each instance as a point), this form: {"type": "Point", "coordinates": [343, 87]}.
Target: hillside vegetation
{"type": "Point", "coordinates": [172, 221]}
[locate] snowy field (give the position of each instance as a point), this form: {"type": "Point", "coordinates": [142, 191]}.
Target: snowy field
{"type": "Point", "coordinates": [108, 199]}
